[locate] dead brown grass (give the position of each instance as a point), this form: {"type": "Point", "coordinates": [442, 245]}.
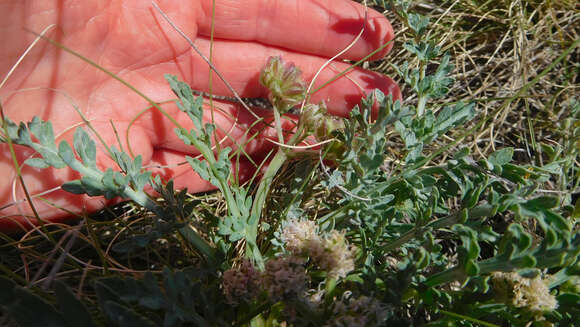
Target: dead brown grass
{"type": "Point", "coordinates": [497, 48]}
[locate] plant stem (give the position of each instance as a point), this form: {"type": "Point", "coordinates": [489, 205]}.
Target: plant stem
{"type": "Point", "coordinates": [260, 199]}
{"type": "Point", "coordinates": [200, 244]}
{"type": "Point", "coordinates": [278, 126]}
{"type": "Point", "coordinates": [187, 231]}
{"type": "Point", "coordinates": [484, 210]}
{"type": "Point", "coordinates": [264, 189]}
{"type": "Point", "coordinates": [449, 275]}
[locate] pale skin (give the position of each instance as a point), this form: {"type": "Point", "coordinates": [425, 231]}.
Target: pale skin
{"type": "Point", "coordinates": [132, 40]}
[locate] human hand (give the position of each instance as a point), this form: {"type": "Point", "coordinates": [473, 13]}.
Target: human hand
{"type": "Point", "coordinates": [130, 39]}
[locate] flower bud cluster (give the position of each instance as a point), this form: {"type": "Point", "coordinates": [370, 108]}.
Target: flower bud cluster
{"type": "Point", "coordinates": [284, 83]}
{"type": "Point", "coordinates": [318, 123]}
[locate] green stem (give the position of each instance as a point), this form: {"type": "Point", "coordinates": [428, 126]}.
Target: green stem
{"type": "Point", "coordinates": [209, 156]}
{"type": "Point", "coordinates": [449, 275]}
{"type": "Point", "coordinates": [264, 189]}
{"type": "Point", "coordinates": [260, 200]}
{"type": "Point", "coordinates": [325, 221]}
{"type": "Point", "coordinates": [546, 259]}
{"type": "Point", "coordinates": [188, 233]}
{"type": "Point", "coordinates": [562, 276]}
{"type": "Point", "coordinates": [278, 126]}
{"type": "Point", "coordinates": [484, 210]}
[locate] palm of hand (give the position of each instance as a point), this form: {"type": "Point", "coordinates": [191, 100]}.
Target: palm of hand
{"type": "Point", "coordinates": [132, 41]}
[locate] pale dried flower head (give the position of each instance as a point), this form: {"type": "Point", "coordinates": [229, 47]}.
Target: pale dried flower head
{"type": "Point", "coordinates": [530, 293]}
{"type": "Point", "coordinates": [298, 235]}
{"type": "Point", "coordinates": [330, 252]}
{"type": "Point", "coordinates": [338, 257]}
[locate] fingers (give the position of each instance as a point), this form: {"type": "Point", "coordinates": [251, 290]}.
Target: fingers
{"type": "Point", "coordinates": [151, 129]}
{"type": "Point", "coordinates": [318, 27]}
{"type": "Point", "coordinates": [240, 64]}
{"type": "Point", "coordinates": [242, 72]}
{"type": "Point", "coordinates": [236, 127]}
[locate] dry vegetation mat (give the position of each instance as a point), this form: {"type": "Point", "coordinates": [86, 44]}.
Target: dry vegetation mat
{"type": "Point", "coordinates": [456, 207]}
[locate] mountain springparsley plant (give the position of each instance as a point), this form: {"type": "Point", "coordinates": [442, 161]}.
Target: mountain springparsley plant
{"type": "Point", "coordinates": [361, 237]}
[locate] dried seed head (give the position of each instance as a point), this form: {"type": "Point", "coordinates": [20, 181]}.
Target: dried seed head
{"type": "Point", "coordinates": [298, 235]}
{"type": "Point", "coordinates": [285, 278]}
{"type": "Point", "coordinates": [330, 252]}
{"type": "Point", "coordinates": [338, 258]}
{"type": "Point", "coordinates": [241, 284]}
{"type": "Point", "coordinates": [360, 311]}
{"type": "Point", "coordinates": [530, 293]}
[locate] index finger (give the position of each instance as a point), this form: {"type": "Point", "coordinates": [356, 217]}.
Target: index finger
{"type": "Point", "coordinates": [318, 27]}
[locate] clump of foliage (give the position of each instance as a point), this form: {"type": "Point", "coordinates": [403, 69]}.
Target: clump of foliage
{"type": "Point", "coordinates": [404, 242]}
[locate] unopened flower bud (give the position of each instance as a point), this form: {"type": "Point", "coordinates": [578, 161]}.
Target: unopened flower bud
{"type": "Point", "coordinates": [284, 82]}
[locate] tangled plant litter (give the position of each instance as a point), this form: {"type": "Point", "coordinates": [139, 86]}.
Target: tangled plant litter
{"type": "Point", "coordinates": [464, 242]}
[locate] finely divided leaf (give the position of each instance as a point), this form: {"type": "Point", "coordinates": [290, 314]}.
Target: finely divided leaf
{"type": "Point", "coordinates": [451, 117]}
{"type": "Point", "coordinates": [192, 107]}
{"type": "Point", "coordinates": [85, 148]}
{"type": "Point", "coordinates": [501, 157]}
